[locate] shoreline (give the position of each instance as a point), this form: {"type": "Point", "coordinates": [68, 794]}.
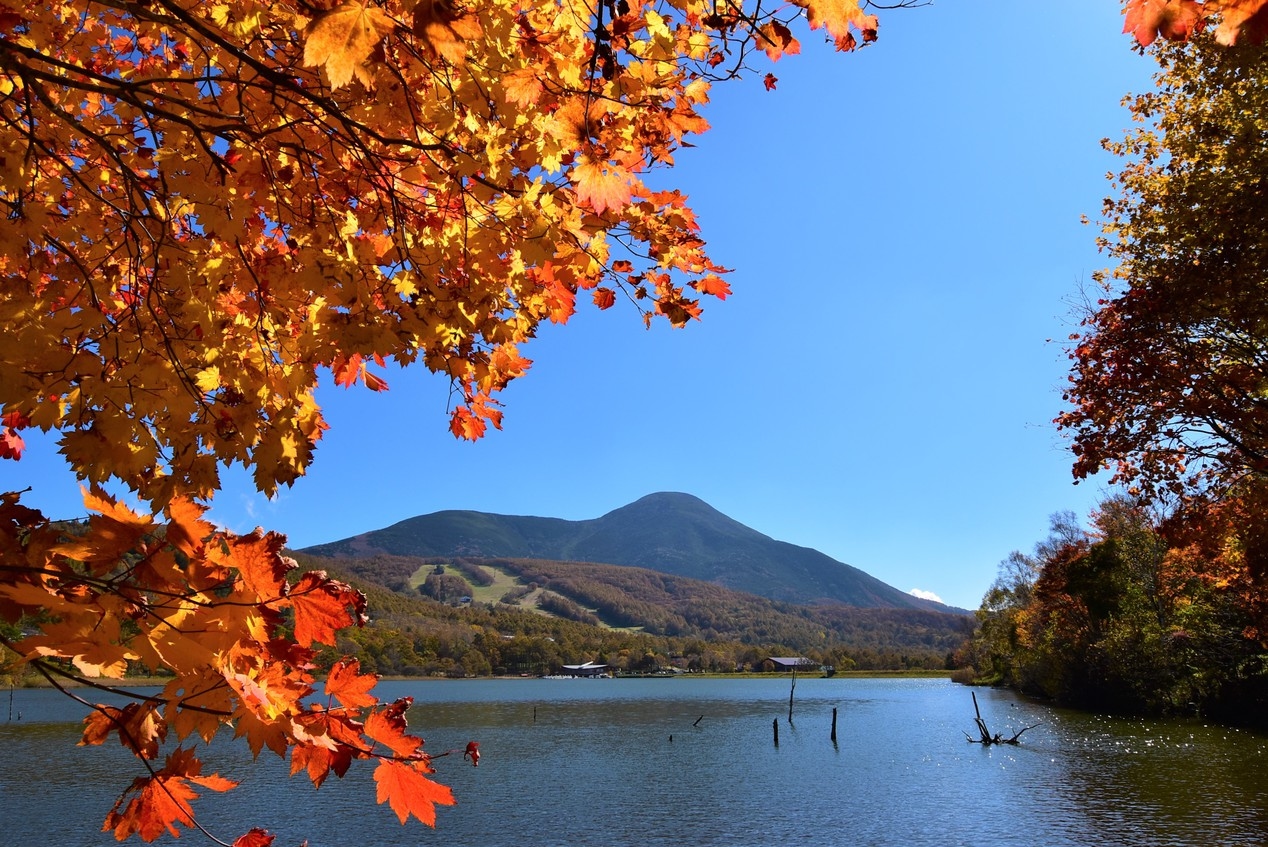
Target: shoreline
{"type": "Point", "coordinates": [160, 681]}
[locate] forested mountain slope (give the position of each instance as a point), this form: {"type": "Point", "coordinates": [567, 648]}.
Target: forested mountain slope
{"type": "Point", "coordinates": [667, 532]}
{"type": "Point", "coordinates": [453, 607]}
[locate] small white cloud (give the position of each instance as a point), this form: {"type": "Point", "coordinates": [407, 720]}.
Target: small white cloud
{"type": "Point", "coordinates": [925, 595]}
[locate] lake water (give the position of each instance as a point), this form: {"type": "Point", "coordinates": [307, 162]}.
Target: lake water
{"type": "Point", "coordinates": [639, 763]}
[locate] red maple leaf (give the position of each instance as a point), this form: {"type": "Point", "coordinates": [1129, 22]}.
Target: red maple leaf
{"type": "Point", "coordinates": [254, 838]}
{"type": "Point", "coordinates": [11, 444]}
{"type": "Point", "coordinates": [15, 420]}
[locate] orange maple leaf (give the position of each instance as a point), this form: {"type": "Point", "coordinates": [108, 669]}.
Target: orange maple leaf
{"type": "Point", "coordinates": [115, 530]}
{"type": "Point", "coordinates": [463, 424]}
{"type": "Point", "coordinates": [324, 606]}
{"type": "Point", "coordinates": [161, 801]}
{"type": "Point", "coordinates": [342, 40]}
{"type": "Point", "coordinates": [714, 285]}
{"type": "Point", "coordinates": [602, 185]}
{"type": "Point", "coordinates": [325, 742]}
{"type": "Point", "coordinates": [445, 29]}
{"type": "Point", "coordinates": [387, 726]}
{"type": "Point", "coordinates": [523, 86]}
{"type": "Point", "coordinates": [259, 561]}
{"type": "Point", "coordinates": [347, 370]}
{"type": "Point", "coordinates": [408, 792]}
{"type": "Point", "coordinates": [838, 17]}
{"type": "Point", "coordinates": [777, 40]}
{"type": "Point", "coordinates": [139, 728]}
{"type": "Point", "coordinates": [349, 686]}
{"type": "Point", "coordinates": [604, 298]}
{"type": "Point", "coordinates": [1175, 20]}
{"type": "Point", "coordinates": [1241, 21]}
{"type": "Point", "coordinates": [186, 530]}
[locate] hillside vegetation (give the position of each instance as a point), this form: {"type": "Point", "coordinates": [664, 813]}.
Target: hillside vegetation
{"type": "Point", "coordinates": [464, 616]}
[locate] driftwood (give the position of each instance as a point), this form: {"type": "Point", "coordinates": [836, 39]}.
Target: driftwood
{"type": "Point", "coordinates": [986, 738]}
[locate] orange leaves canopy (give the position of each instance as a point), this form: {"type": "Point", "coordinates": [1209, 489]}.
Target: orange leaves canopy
{"type": "Point", "coordinates": [209, 207]}
{"type": "Point", "coordinates": [420, 181]}
{"type": "Point", "coordinates": [211, 608]}
{"type": "Point", "coordinates": [341, 40]}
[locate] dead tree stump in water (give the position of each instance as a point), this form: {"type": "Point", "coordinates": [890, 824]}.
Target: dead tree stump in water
{"type": "Point", "coordinates": [986, 738]}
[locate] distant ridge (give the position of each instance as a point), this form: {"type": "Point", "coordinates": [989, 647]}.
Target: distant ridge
{"type": "Point", "coordinates": [668, 532]}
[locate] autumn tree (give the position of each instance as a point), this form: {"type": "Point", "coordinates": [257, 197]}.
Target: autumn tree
{"type": "Point", "coordinates": [1168, 373]}
{"type": "Point", "coordinates": [1141, 613]}
{"type": "Point", "coordinates": [209, 207]}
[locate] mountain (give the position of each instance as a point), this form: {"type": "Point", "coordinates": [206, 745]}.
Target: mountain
{"type": "Point", "coordinates": [670, 533]}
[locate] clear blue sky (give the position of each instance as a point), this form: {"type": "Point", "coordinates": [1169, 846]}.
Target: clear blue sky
{"type": "Point", "coordinates": [905, 227]}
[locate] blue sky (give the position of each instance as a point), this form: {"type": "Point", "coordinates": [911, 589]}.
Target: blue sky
{"type": "Point", "coordinates": [904, 225]}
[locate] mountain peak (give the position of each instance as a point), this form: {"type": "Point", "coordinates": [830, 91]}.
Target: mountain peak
{"type": "Point", "coordinates": [671, 532]}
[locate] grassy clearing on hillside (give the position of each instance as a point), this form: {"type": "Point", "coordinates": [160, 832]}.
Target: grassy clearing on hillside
{"type": "Point", "coordinates": [503, 582]}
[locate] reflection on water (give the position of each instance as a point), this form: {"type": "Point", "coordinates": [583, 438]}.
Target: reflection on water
{"type": "Point", "coordinates": [610, 763]}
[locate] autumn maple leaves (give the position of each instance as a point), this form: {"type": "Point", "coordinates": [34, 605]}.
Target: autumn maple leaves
{"type": "Point", "coordinates": [222, 615]}
{"type": "Point", "coordinates": [344, 40]}
{"type": "Point", "coordinates": [1238, 20]}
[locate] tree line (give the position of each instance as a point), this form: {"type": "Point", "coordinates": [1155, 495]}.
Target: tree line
{"type": "Point", "coordinates": [1142, 612]}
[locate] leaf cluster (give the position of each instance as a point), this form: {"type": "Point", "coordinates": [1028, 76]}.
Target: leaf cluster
{"type": "Point", "coordinates": [233, 630]}
{"type": "Point", "coordinates": [209, 205]}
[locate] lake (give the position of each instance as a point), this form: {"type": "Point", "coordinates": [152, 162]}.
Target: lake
{"type": "Point", "coordinates": [648, 762]}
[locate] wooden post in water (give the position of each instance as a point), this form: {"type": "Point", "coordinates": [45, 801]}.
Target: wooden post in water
{"type": "Point", "coordinates": [834, 724]}
{"type": "Point", "coordinates": [774, 725]}
{"type": "Point", "coordinates": [790, 693]}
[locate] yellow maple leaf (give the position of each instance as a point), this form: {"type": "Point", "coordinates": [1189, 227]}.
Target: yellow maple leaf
{"type": "Point", "coordinates": [342, 39]}
{"type": "Point", "coordinates": [838, 16]}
